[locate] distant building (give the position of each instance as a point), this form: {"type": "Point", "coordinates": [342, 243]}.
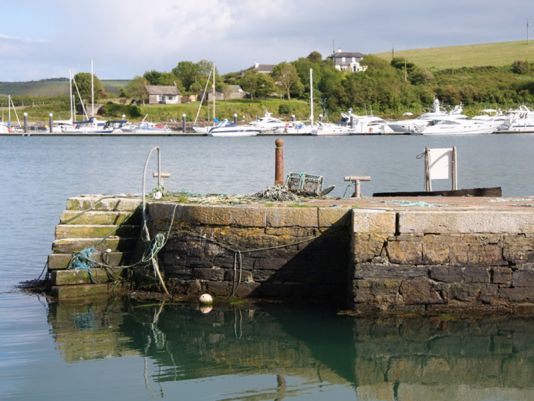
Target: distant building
{"type": "Point", "coordinates": [348, 61]}
{"type": "Point", "coordinates": [163, 94]}
{"type": "Point", "coordinates": [230, 92]}
{"type": "Point", "coordinates": [262, 68]}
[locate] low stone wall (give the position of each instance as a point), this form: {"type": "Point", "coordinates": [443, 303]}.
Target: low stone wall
{"type": "Point", "coordinates": [279, 252]}
{"type": "Point", "coordinates": [440, 261]}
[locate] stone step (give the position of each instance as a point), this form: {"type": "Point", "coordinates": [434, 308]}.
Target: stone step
{"type": "Point", "coordinates": [96, 276]}
{"type": "Point", "coordinates": [71, 245]}
{"type": "Point", "coordinates": [72, 217]}
{"type": "Point", "coordinates": [94, 230]}
{"type": "Point", "coordinates": [60, 261]}
{"type": "Point", "coordinates": [83, 291]}
{"type": "Point", "coordinates": [100, 202]}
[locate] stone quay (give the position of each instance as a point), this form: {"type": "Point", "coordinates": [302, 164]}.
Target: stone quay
{"type": "Point", "coordinates": [421, 256]}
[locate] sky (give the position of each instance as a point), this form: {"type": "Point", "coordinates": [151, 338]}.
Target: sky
{"type": "Point", "coordinates": [47, 38]}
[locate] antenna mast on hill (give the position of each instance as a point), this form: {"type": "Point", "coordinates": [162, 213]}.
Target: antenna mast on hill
{"type": "Point", "coordinates": [528, 26]}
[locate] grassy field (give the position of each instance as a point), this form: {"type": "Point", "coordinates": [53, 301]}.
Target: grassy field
{"type": "Point", "coordinates": [52, 87]}
{"type": "Point", "coordinates": [246, 110]}
{"type": "Point", "coordinates": [494, 54]}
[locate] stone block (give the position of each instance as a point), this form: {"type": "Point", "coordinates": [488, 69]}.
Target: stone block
{"type": "Point", "coordinates": [476, 274]}
{"type": "Point", "coordinates": [247, 289]}
{"type": "Point", "coordinates": [95, 231]}
{"type": "Point", "coordinates": [523, 278]}
{"type": "Point", "coordinates": [518, 248]}
{"type": "Point", "coordinates": [238, 216]}
{"type": "Point", "coordinates": [60, 261]}
{"type": "Point", "coordinates": [517, 294]}
{"type": "Point", "coordinates": [446, 274]}
{"type": "Point", "coordinates": [95, 276]}
{"type": "Point", "coordinates": [405, 251]}
{"type": "Point", "coordinates": [329, 216]}
{"type": "Point", "coordinates": [67, 292]}
{"type": "Point", "coordinates": [373, 221]}
{"type": "Point", "coordinates": [219, 288]}
{"type": "Point", "coordinates": [292, 217]}
{"type": "Point", "coordinates": [501, 275]}
{"type": "Point", "coordinates": [366, 270]}
{"type": "Point", "coordinates": [72, 245]}
{"type": "Point", "coordinates": [246, 276]}
{"type": "Point", "coordinates": [367, 246]}
{"type": "Point", "coordinates": [99, 218]}
{"type": "Point", "coordinates": [419, 290]}
{"type": "Point", "coordinates": [435, 250]}
{"type": "Point", "coordinates": [260, 275]}
{"type": "Point", "coordinates": [185, 287]}
{"type": "Point", "coordinates": [213, 274]}
{"type": "Point", "coordinates": [100, 202]}
{"type": "Point", "coordinates": [466, 221]}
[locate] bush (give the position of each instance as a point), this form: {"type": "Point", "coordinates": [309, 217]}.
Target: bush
{"type": "Point", "coordinates": [285, 109]}
{"type": "Point", "coordinates": [117, 110]}
{"type": "Point", "coordinates": [520, 67]}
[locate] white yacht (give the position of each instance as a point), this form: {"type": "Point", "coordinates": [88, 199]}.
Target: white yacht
{"type": "Point", "coordinates": [268, 123]}
{"type": "Point", "coordinates": [296, 128]}
{"type": "Point", "coordinates": [227, 129]}
{"type": "Point", "coordinates": [365, 124]}
{"type": "Point", "coordinates": [458, 126]}
{"type": "Point", "coordinates": [329, 129]}
{"type": "Point", "coordinates": [519, 120]}
{"type": "Point", "coordinates": [415, 125]}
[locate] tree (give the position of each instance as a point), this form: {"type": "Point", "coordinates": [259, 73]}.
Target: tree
{"type": "Point", "coordinates": [258, 85]}
{"type": "Point", "coordinates": [286, 76]}
{"type": "Point", "coordinates": [315, 57]}
{"type": "Point", "coordinates": [187, 72]}
{"type": "Point", "coordinates": [136, 89]}
{"type": "Point", "coordinates": [152, 77]}
{"type": "Point", "coordinates": [83, 82]}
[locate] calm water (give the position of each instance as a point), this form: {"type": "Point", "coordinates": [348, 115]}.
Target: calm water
{"type": "Point", "coordinates": [115, 351]}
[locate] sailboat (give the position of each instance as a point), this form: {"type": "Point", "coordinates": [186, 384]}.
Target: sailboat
{"type": "Point", "coordinates": [299, 127]}
{"type": "Point", "coordinates": [7, 128]}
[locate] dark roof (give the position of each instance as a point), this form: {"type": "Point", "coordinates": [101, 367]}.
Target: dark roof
{"type": "Point", "coordinates": [263, 67]}
{"type": "Point", "coordinates": [348, 54]}
{"type": "Point", "coordinates": [162, 90]}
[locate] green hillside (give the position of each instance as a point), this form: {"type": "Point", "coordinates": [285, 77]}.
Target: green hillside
{"type": "Point", "coordinates": [486, 54]}
{"type": "Point", "coordinates": [52, 87]}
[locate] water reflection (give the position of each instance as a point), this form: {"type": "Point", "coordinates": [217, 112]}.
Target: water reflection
{"type": "Point", "coordinates": [299, 352]}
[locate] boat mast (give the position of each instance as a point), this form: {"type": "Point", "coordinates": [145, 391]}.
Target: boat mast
{"type": "Point", "coordinates": [9, 110]}
{"type": "Point", "coordinates": [71, 109]}
{"type": "Point", "coordinates": [311, 97]}
{"type": "Point", "coordinates": [213, 90]}
{"type": "Point", "coordinates": [92, 90]}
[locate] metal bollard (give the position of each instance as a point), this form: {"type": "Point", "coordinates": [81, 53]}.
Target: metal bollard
{"type": "Point", "coordinates": [50, 122]}
{"type": "Point", "coordinates": [293, 118]}
{"type": "Point", "coordinates": [183, 123]}
{"type": "Point", "coordinates": [279, 162]}
{"type": "Point", "coordinates": [235, 118]}
{"type": "Point", "coordinates": [25, 123]}
{"type": "Point", "coordinates": [352, 122]}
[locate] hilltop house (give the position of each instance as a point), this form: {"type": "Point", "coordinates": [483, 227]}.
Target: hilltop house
{"type": "Point", "coordinates": [163, 94]}
{"type": "Point", "coordinates": [262, 68]}
{"type": "Point", "coordinates": [348, 61]}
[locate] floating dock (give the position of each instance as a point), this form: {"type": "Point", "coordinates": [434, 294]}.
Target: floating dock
{"type": "Point", "coordinates": [419, 256]}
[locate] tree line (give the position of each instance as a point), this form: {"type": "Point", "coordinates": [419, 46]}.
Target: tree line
{"type": "Point", "coordinates": [387, 87]}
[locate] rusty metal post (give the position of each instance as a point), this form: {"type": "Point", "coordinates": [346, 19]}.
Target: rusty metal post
{"type": "Point", "coordinates": [279, 162]}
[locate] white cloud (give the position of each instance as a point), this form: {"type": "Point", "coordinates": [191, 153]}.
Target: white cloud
{"type": "Point", "coordinates": [128, 37]}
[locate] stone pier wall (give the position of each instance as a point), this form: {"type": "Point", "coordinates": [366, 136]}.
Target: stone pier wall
{"type": "Point", "coordinates": [429, 262]}
{"type": "Point", "coordinates": [301, 253]}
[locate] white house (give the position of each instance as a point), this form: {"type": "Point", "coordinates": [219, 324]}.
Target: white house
{"type": "Point", "coordinates": [348, 61]}
{"type": "Point", "coordinates": [163, 94]}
